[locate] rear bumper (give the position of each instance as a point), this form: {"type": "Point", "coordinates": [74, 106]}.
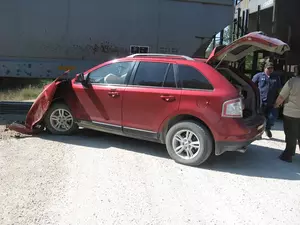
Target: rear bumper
{"type": "Point", "coordinates": [256, 130]}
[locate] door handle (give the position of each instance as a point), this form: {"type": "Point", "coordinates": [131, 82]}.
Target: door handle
{"type": "Point", "coordinates": [168, 98]}
{"type": "Point", "coordinates": [114, 94]}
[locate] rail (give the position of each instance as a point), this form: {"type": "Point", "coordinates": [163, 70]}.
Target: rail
{"type": "Point", "coordinates": [160, 55]}
{"type": "Point", "coordinates": [8, 107]}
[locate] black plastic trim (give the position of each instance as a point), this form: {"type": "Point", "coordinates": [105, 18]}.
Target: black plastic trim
{"type": "Point", "coordinates": [145, 134]}
{"type": "Point", "coordinates": [119, 130]}
{"type": "Point", "coordinates": [229, 146]}
{"type": "Point", "coordinates": [105, 127]}
{"type": "Point", "coordinates": [133, 73]}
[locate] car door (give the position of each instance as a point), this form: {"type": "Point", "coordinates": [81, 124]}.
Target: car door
{"type": "Point", "coordinates": [151, 96]}
{"type": "Point", "coordinates": [102, 98]}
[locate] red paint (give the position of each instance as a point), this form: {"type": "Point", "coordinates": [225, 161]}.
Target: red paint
{"type": "Point", "coordinates": [38, 109]}
{"type": "Point", "coordinates": [146, 108]}
{"type": "Point", "coordinates": [21, 128]}
{"type": "Point", "coordinates": [99, 103]}
{"type": "Point", "coordinates": [41, 105]}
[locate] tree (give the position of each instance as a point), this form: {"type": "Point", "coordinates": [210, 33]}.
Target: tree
{"type": "Point", "coordinates": [226, 40]}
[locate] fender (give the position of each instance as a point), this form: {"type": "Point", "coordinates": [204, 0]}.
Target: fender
{"type": "Point", "coordinates": [208, 121]}
{"type": "Point", "coordinates": [38, 108]}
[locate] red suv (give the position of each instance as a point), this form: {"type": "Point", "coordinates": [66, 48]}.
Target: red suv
{"type": "Point", "coordinates": [195, 107]}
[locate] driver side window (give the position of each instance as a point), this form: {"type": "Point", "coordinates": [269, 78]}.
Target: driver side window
{"type": "Point", "coordinates": [114, 73]}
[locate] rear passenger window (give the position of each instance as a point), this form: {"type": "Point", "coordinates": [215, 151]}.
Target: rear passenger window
{"type": "Point", "coordinates": [191, 78]}
{"type": "Point", "coordinates": [170, 78]}
{"type": "Point", "coordinates": [150, 74]}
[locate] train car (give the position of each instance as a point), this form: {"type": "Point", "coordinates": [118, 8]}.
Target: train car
{"type": "Point", "coordinates": [41, 39]}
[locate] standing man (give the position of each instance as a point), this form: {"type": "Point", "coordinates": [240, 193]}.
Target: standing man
{"type": "Point", "coordinates": [290, 97]}
{"type": "Point", "coordinates": [269, 85]}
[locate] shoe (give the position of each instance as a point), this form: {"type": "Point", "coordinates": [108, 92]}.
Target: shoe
{"type": "Point", "coordinates": [269, 133]}
{"type": "Point", "coordinates": [285, 158]}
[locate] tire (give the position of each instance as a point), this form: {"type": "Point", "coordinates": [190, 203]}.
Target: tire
{"type": "Point", "coordinates": [199, 133]}
{"type": "Point", "coordinates": [38, 128]}
{"type": "Point", "coordinates": [50, 123]}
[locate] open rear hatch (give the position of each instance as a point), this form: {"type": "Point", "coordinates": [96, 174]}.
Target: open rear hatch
{"type": "Point", "coordinates": [245, 45]}
{"type": "Point", "coordinates": [236, 51]}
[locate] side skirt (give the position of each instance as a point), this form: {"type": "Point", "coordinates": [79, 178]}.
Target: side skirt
{"type": "Point", "coordinates": [119, 130]}
{"type": "Point", "coordinates": [141, 134]}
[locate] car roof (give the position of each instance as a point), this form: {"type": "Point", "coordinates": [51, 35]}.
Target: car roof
{"type": "Point", "coordinates": [156, 57]}
{"type": "Point", "coordinates": [153, 57]}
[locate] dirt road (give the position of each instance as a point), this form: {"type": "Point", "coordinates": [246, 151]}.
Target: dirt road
{"type": "Point", "coordinates": [96, 178]}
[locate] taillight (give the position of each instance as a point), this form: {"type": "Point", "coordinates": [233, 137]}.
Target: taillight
{"type": "Point", "coordinates": [233, 108]}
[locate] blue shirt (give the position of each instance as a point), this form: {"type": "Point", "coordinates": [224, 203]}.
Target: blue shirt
{"type": "Point", "coordinates": [269, 87]}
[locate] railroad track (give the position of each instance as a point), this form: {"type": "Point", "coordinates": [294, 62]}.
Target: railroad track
{"type": "Point", "coordinates": [10, 107]}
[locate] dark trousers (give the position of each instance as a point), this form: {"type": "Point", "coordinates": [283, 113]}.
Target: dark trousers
{"type": "Point", "coordinates": [271, 115]}
{"type": "Point", "coordinates": [291, 127]}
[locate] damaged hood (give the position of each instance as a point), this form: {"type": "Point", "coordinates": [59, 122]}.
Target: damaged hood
{"type": "Point", "coordinates": [38, 108]}
{"type": "Point", "coordinates": [247, 44]}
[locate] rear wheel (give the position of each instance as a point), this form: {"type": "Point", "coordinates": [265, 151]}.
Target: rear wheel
{"type": "Point", "coordinates": [189, 143]}
{"type": "Point", "coordinates": [59, 120]}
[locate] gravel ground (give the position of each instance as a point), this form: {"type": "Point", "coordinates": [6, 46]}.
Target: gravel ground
{"type": "Point", "coordinates": [96, 178]}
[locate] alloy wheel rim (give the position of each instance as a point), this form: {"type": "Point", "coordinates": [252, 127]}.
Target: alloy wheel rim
{"type": "Point", "coordinates": [186, 144]}
{"type": "Point", "coordinates": [61, 120]}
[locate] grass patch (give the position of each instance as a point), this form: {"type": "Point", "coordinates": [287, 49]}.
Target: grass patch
{"type": "Point", "coordinates": [27, 93]}
{"type": "Point", "coordinates": [18, 90]}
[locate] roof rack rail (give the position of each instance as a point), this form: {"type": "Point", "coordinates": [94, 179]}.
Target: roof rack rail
{"type": "Point", "coordinates": [160, 55]}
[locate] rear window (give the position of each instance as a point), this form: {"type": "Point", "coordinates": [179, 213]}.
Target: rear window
{"type": "Point", "coordinates": [228, 75]}
{"type": "Point", "coordinates": [150, 74]}
{"type": "Point", "coordinates": [232, 76]}
{"type": "Point", "coordinates": [191, 78]}
{"type": "Point", "coordinates": [155, 74]}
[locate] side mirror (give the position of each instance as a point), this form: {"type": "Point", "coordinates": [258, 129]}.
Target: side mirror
{"type": "Point", "coordinates": [82, 79]}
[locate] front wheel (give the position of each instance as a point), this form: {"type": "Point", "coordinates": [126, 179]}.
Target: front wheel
{"type": "Point", "coordinates": [59, 120]}
{"type": "Point", "coordinates": [189, 143]}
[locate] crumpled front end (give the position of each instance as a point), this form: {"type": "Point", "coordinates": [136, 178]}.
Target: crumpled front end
{"type": "Point", "coordinates": [21, 128]}
{"type": "Point", "coordinates": [37, 110]}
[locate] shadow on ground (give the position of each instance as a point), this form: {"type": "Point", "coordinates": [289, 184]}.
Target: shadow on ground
{"type": "Point", "coordinates": [100, 140]}
{"type": "Point", "coordinates": [258, 161]}
{"type": "Point", "coordinates": [274, 139]}
{"type": "Point", "coordinates": [6, 119]}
